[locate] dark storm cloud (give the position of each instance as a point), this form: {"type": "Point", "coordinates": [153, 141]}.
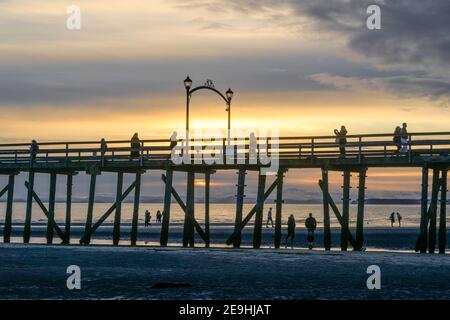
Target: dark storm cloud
{"type": "Point", "coordinates": [414, 39]}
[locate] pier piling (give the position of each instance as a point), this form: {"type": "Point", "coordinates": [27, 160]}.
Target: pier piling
{"type": "Point", "coordinates": [7, 229]}
{"type": "Point", "coordinates": [443, 212]}
{"type": "Point", "coordinates": [118, 213]}
{"type": "Point", "coordinates": [360, 213]}
{"type": "Point", "coordinates": [136, 201]}
{"type": "Point", "coordinates": [259, 211]}
{"type": "Point", "coordinates": [51, 208]}
{"type": "Point", "coordinates": [433, 211]}
{"type": "Point", "coordinates": [345, 210]}
{"type": "Point", "coordinates": [69, 185]}
{"type": "Point", "coordinates": [166, 211]}
{"type": "Point", "coordinates": [239, 206]}
{"type": "Point", "coordinates": [279, 203]}
{"type": "Point", "coordinates": [29, 208]}
{"type": "Point", "coordinates": [326, 211]}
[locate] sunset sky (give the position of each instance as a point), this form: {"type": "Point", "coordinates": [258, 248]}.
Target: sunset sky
{"type": "Point", "coordinates": [304, 67]}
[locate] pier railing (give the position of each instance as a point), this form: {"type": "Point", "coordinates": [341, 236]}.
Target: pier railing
{"type": "Point", "coordinates": [359, 147]}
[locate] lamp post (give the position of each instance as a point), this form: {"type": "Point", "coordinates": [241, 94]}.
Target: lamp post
{"type": "Point", "coordinates": [209, 85]}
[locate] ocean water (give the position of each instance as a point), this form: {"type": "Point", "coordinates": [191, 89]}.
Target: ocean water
{"type": "Point", "coordinates": [221, 214]}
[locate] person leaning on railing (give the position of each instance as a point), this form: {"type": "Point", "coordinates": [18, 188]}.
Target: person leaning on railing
{"type": "Point", "coordinates": [404, 138]}
{"type": "Point", "coordinates": [135, 146]}
{"type": "Point", "coordinates": [103, 147]}
{"type": "Point", "coordinates": [341, 139]}
{"type": "Point", "coordinates": [34, 150]}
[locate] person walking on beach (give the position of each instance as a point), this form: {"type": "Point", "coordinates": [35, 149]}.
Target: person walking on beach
{"type": "Point", "coordinates": [397, 139]}
{"type": "Point", "coordinates": [158, 216]}
{"type": "Point", "coordinates": [135, 144]}
{"type": "Point", "coordinates": [148, 217]}
{"type": "Point", "coordinates": [404, 138]}
{"type": "Point", "coordinates": [34, 150]}
{"type": "Point", "coordinates": [341, 139]}
{"type": "Point", "coordinates": [269, 218]}
{"type": "Point", "coordinates": [392, 218]}
{"type": "Point", "coordinates": [399, 219]}
{"type": "Point", "coordinates": [291, 230]}
{"type": "Point", "coordinates": [311, 225]}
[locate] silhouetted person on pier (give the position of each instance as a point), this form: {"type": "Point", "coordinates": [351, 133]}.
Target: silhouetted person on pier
{"type": "Point", "coordinates": [404, 138]}
{"type": "Point", "coordinates": [135, 146]}
{"type": "Point", "coordinates": [341, 139]}
{"type": "Point", "coordinates": [173, 140]}
{"type": "Point", "coordinates": [399, 219]}
{"type": "Point", "coordinates": [252, 148]}
{"type": "Point", "coordinates": [392, 218]}
{"type": "Point", "coordinates": [291, 231]}
{"type": "Point", "coordinates": [158, 216]}
{"type": "Point", "coordinates": [103, 146]}
{"type": "Point", "coordinates": [148, 217]}
{"type": "Point", "coordinates": [311, 225]}
{"type": "Point", "coordinates": [34, 150]}
{"type": "Point", "coordinates": [397, 139]}
{"type": "Point", "coordinates": [269, 218]}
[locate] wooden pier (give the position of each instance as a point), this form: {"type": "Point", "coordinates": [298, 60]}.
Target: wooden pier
{"type": "Point", "coordinates": [427, 151]}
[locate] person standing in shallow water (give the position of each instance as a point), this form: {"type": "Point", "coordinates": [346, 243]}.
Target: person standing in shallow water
{"type": "Point", "coordinates": [399, 219]}
{"type": "Point", "coordinates": [392, 218]}
{"type": "Point", "coordinates": [291, 230]}
{"type": "Point", "coordinates": [269, 218]}
{"type": "Point", "coordinates": [158, 216]}
{"type": "Point", "coordinates": [310, 224]}
{"type": "Point", "coordinates": [148, 217]}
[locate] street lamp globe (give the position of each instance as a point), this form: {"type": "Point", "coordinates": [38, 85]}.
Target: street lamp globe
{"type": "Point", "coordinates": [188, 83]}
{"type": "Point", "coordinates": [229, 94]}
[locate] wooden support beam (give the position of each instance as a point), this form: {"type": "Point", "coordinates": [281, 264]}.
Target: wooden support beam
{"type": "Point", "coordinates": [244, 222]}
{"type": "Point", "coordinates": [422, 241]}
{"type": "Point", "coordinates": [279, 203]}
{"type": "Point", "coordinates": [28, 210]}
{"type": "Point", "coordinates": [166, 211]}
{"type": "Point", "coordinates": [360, 213]}
{"type": "Point", "coordinates": [188, 230]}
{"type": "Point", "coordinates": [51, 208]}
{"type": "Point", "coordinates": [118, 212]}
{"type": "Point", "coordinates": [180, 202]}
{"type": "Point", "coordinates": [259, 211]}
{"type": "Point", "coordinates": [87, 235]}
{"type": "Point", "coordinates": [3, 191]}
{"type": "Point", "coordinates": [433, 211]}
{"type": "Point", "coordinates": [7, 229]}
{"type": "Point", "coordinates": [239, 206]}
{"type": "Point", "coordinates": [69, 185]}
{"type": "Point", "coordinates": [45, 211]}
{"type": "Point", "coordinates": [345, 210]}
{"type": "Point", "coordinates": [326, 211]}
{"type": "Point", "coordinates": [443, 212]}
{"type": "Point", "coordinates": [207, 185]}
{"type": "Point", "coordinates": [340, 218]}
{"type": "Point", "coordinates": [136, 201]}
{"type": "Point", "coordinates": [90, 211]}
